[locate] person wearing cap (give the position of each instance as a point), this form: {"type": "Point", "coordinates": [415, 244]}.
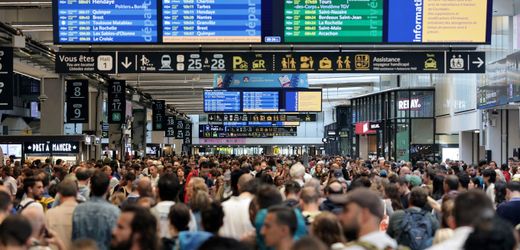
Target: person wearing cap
{"type": "Point", "coordinates": [362, 213]}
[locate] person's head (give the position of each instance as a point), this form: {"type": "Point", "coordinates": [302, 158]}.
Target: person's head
{"type": "Point", "coordinates": [362, 211]}
{"type": "Point", "coordinates": [99, 183]}
{"type": "Point", "coordinates": [404, 171]}
{"type": "Point", "coordinates": [168, 187]}
{"type": "Point", "coordinates": [402, 184]}
{"type": "Point", "coordinates": [267, 196]}
{"type": "Point", "coordinates": [221, 243]}
{"type": "Point", "coordinates": [513, 189]}
{"type": "Point", "coordinates": [212, 217]}
{"type": "Point", "coordinates": [333, 188]}
{"type": "Point", "coordinates": [136, 227]}
{"type": "Point", "coordinates": [33, 187]}
{"type": "Point", "coordinates": [297, 171]}
{"type": "Point", "coordinates": [144, 187]}
{"type": "Point", "coordinates": [474, 183]}
{"type": "Point", "coordinates": [15, 232]}
{"type": "Point", "coordinates": [418, 197]}
{"type": "Point", "coordinates": [195, 185]}
{"type": "Point", "coordinates": [153, 170]}
{"type": "Point", "coordinates": [82, 174]}
{"type": "Point", "coordinates": [327, 228]}
{"type": "Point", "coordinates": [36, 217]}
{"type": "Point", "coordinates": [491, 234]}
{"type": "Point", "coordinates": [309, 195]}
{"type": "Point", "coordinates": [451, 183]}
{"type": "Point", "coordinates": [470, 207]}
{"type": "Point", "coordinates": [464, 180]}
{"type": "Point", "coordinates": [257, 165]}
{"type": "Point", "coordinates": [242, 182]}
{"type": "Point", "coordinates": [129, 178]}
{"type": "Point", "coordinates": [280, 225]}
{"type": "Point", "coordinates": [309, 243]}
{"type": "Point", "coordinates": [180, 173]}
{"type": "Point", "coordinates": [179, 217]}
{"type": "Point", "coordinates": [292, 188]}
{"type": "Point", "coordinates": [5, 204]}
{"type": "Point", "coordinates": [447, 219]}
{"type": "Point", "coordinates": [68, 188]}
{"type": "Point", "coordinates": [489, 176]}
{"type": "Point", "coordinates": [504, 167]}
{"type": "Point", "coordinates": [493, 165]}
{"type": "Point", "coordinates": [107, 170]}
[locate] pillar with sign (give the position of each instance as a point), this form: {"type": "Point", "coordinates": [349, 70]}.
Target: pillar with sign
{"type": "Point", "coordinates": [52, 99]}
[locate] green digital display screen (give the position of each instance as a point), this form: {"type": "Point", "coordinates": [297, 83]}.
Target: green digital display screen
{"type": "Point", "coordinates": [333, 21]}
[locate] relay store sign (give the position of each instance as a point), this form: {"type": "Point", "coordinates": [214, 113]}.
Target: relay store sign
{"type": "Point", "coordinates": [409, 104]}
{"type": "Point", "coordinates": [364, 128]}
{"type": "Point", "coordinates": [51, 147]}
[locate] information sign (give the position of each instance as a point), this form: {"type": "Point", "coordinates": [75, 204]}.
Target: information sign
{"type": "Point", "coordinates": [6, 78]}
{"type": "Point", "coordinates": [116, 102]}
{"type": "Point", "coordinates": [260, 101]}
{"type": "Point", "coordinates": [77, 101]}
{"type": "Point", "coordinates": [221, 101]}
{"type": "Point", "coordinates": [158, 115]}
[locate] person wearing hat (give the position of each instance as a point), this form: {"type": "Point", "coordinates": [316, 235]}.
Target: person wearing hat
{"type": "Point", "coordinates": [362, 213]}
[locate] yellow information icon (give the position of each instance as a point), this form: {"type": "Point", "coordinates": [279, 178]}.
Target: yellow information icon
{"type": "Point", "coordinates": [362, 61]}
{"type": "Point", "coordinates": [288, 63]}
{"type": "Point", "coordinates": [306, 63]}
{"type": "Point", "coordinates": [325, 64]}
{"type": "Point", "coordinates": [239, 64]}
{"type": "Point", "coordinates": [343, 63]}
{"type": "Point", "coordinates": [430, 64]}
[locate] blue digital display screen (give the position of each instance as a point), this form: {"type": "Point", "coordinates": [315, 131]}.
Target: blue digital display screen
{"type": "Point", "coordinates": [212, 21]}
{"type": "Point", "coordinates": [107, 21]}
{"type": "Point", "coordinates": [221, 101]}
{"type": "Point", "coordinates": [291, 101]}
{"type": "Point", "coordinates": [255, 101]}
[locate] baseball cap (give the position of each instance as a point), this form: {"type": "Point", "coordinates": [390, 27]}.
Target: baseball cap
{"type": "Point", "coordinates": [414, 180]}
{"type": "Point", "coordinates": [362, 197]}
{"type": "Point", "coordinates": [383, 173]}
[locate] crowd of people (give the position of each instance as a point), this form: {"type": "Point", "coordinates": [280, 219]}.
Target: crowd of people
{"type": "Point", "coordinates": [259, 202]}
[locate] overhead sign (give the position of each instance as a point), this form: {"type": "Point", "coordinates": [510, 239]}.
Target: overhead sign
{"type": "Point", "coordinates": [85, 62]}
{"type": "Point", "coordinates": [409, 104]}
{"type": "Point", "coordinates": [375, 126]}
{"type": "Point", "coordinates": [6, 78]}
{"type": "Point", "coordinates": [116, 101]}
{"type": "Point", "coordinates": [105, 128]}
{"type": "Point", "coordinates": [158, 115]}
{"type": "Point", "coordinates": [303, 101]}
{"type": "Point", "coordinates": [260, 101]}
{"type": "Point", "coordinates": [77, 101]}
{"type": "Point", "coordinates": [170, 127]}
{"type": "Point", "coordinates": [51, 147]}
{"type": "Point", "coordinates": [273, 62]}
{"type": "Point", "coordinates": [187, 140]}
{"type": "Point", "coordinates": [363, 128]}
{"type": "Point", "coordinates": [261, 118]}
{"type": "Point", "coordinates": [260, 81]}
{"type": "Point", "coordinates": [105, 21]}
{"type": "Point", "coordinates": [179, 129]}
{"type": "Point", "coordinates": [222, 101]}
{"type": "Point", "coordinates": [220, 131]}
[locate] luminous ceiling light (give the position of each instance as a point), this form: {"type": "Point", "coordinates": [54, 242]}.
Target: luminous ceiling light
{"type": "Point", "coordinates": [26, 3]}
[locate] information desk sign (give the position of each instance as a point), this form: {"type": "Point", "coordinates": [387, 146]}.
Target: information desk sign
{"type": "Point", "coordinates": [116, 102]}
{"type": "Point", "coordinates": [6, 78]}
{"type": "Point", "coordinates": [77, 101]}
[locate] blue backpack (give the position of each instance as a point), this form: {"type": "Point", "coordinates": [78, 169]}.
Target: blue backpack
{"type": "Point", "coordinates": [416, 230]}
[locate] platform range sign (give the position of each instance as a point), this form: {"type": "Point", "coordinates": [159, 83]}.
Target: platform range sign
{"type": "Point", "coordinates": [439, 62]}
{"type": "Point", "coordinates": [6, 78]}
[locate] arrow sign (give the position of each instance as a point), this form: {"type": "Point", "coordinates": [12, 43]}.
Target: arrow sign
{"type": "Point", "coordinates": [126, 63]}
{"type": "Point", "coordinates": [479, 62]}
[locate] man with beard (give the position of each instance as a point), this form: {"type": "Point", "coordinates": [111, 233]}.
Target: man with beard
{"type": "Point", "coordinates": [361, 216]}
{"type": "Point", "coordinates": [136, 229]}
{"type": "Point", "coordinates": [33, 191]}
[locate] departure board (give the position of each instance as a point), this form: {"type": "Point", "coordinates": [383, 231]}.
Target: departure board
{"type": "Point", "coordinates": [106, 21]}
{"type": "Point", "coordinates": [221, 101]}
{"type": "Point", "coordinates": [256, 101]}
{"type": "Point", "coordinates": [212, 21]}
{"type": "Point", "coordinates": [303, 101]}
{"type": "Point", "coordinates": [333, 21]}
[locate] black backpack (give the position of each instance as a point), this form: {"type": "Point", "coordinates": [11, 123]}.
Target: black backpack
{"type": "Point", "coordinates": [416, 230]}
{"type": "Point", "coordinates": [20, 208]}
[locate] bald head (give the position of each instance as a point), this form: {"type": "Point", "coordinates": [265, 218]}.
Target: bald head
{"type": "Point", "coordinates": [404, 171]}
{"type": "Point", "coordinates": [335, 188]}
{"type": "Point", "coordinates": [245, 178]}
{"type": "Point", "coordinates": [36, 217]}
{"type": "Point", "coordinates": [144, 187]}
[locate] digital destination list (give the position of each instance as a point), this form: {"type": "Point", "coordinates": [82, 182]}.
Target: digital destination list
{"type": "Point", "coordinates": [107, 21]}
{"type": "Point", "coordinates": [212, 21]}
{"type": "Point", "coordinates": [334, 21]}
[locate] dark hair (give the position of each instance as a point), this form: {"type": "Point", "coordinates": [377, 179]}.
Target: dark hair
{"type": "Point", "coordinates": [145, 224]}
{"type": "Point", "coordinates": [491, 234]}
{"type": "Point", "coordinates": [212, 217]}
{"type": "Point", "coordinates": [235, 176]}
{"type": "Point", "coordinates": [477, 182]}
{"type": "Point", "coordinates": [418, 197]}
{"type": "Point", "coordinates": [68, 188]}
{"type": "Point", "coordinates": [15, 230]}
{"type": "Point", "coordinates": [309, 243]}
{"type": "Point", "coordinates": [5, 200]}
{"type": "Point", "coordinates": [267, 196]}
{"type": "Point", "coordinates": [328, 228]}
{"type": "Point", "coordinates": [463, 180]}
{"type": "Point", "coordinates": [130, 176]}
{"type": "Point", "coordinates": [29, 182]}
{"type": "Point", "coordinates": [221, 243]}
{"type": "Point", "coordinates": [82, 174]}
{"type": "Point", "coordinates": [361, 182]}
{"type": "Point", "coordinates": [470, 206]}
{"type": "Point", "coordinates": [452, 182]}
{"type": "Point", "coordinates": [514, 186]}
{"type": "Point", "coordinates": [168, 186]}
{"type": "Point", "coordinates": [438, 187]}
{"type": "Point", "coordinates": [285, 216]}
{"type": "Point", "coordinates": [309, 195]}
{"type": "Point", "coordinates": [179, 216]}
{"type": "Point", "coordinates": [504, 167]}
{"type": "Point", "coordinates": [392, 193]}
{"type": "Point", "coordinates": [99, 183]}
{"type": "Point", "coordinates": [491, 174]}
{"type": "Point", "coordinates": [292, 187]}
{"type": "Point", "coordinates": [500, 192]}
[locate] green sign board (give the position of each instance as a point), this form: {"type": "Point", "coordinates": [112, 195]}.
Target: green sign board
{"type": "Point", "coordinates": [330, 21]}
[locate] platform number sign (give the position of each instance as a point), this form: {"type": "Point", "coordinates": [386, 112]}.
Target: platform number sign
{"type": "Point", "coordinates": [6, 78]}
{"type": "Point", "coordinates": [116, 102]}
{"type": "Point", "coordinates": [170, 127]}
{"type": "Point", "coordinates": [77, 101]}
{"type": "Point", "coordinates": [179, 129]}
{"type": "Point", "coordinates": [187, 133]}
{"type": "Point", "coordinates": [158, 115]}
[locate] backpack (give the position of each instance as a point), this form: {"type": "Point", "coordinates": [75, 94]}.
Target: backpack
{"type": "Point", "coordinates": [416, 230]}
{"type": "Point", "coordinates": [19, 208]}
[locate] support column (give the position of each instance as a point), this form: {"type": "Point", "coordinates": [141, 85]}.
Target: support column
{"type": "Point", "coordinates": [139, 130]}
{"type": "Point", "coordinates": [95, 120]}
{"type": "Point", "coordinates": [53, 108]}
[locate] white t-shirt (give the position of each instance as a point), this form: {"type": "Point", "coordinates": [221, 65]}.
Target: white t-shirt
{"type": "Point", "coordinates": [236, 217]}
{"type": "Point", "coordinates": [161, 211]}
{"type": "Point", "coordinates": [378, 239]}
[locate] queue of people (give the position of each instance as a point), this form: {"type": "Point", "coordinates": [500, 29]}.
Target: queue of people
{"type": "Point", "coordinates": [259, 202]}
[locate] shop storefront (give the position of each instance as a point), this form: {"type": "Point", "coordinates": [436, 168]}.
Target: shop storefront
{"type": "Point", "coordinates": [395, 124]}
{"type": "Point", "coordinates": [68, 148]}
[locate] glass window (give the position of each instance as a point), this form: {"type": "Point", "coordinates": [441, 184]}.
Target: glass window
{"type": "Point", "coordinates": [392, 105]}
{"type": "Point", "coordinates": [422, 131]}
{"type": "Point", "coordinates": [422, 104]}
{"type": "Point", "coordinates": [403, 104]}
{"type": "Point", "coordinates": [402, 139]}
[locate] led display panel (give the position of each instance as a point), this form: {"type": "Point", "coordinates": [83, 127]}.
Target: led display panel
{"type": "Point", "coordinates": [221, 101]}
{"type": "Point", "coordinates": [303, 101]}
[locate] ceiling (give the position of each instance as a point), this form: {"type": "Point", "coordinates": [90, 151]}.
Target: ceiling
{"type": "Point", "coordinates": [184, 92]}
